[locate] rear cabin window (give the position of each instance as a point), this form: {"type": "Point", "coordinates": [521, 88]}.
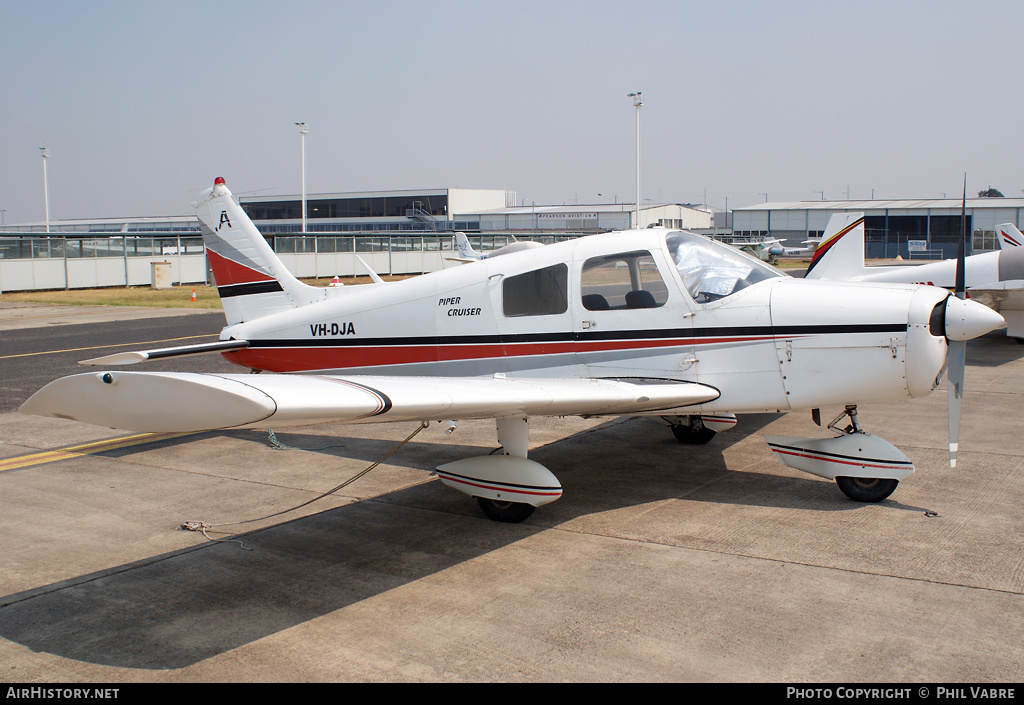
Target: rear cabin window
{"type": "Point", "coordinates": [627, 280]}
{"type": "Point", "coordinates": [543, 292]}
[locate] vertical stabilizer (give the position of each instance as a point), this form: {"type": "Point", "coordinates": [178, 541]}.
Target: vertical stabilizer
{"type": "Point", "coordinates": [251, 280]}
{"type": "Point", "coordinates": [1009, 236]}
{"type": "Point", "coordinates": [466, 250]}
{"type": "Point", "coordinates": [841, 252]}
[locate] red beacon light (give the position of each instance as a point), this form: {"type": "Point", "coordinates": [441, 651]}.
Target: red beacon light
{"type": "Point", "coordinates": [219, 180]}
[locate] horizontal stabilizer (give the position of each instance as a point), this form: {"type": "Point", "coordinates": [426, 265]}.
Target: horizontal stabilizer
{"type": "Point", "coordinates": [132, 357]}
{"type": "Point", "coordinates": [157, 401]}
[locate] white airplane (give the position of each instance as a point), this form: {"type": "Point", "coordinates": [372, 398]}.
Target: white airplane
{"type": "Point", "coordinates": [995, 278]}
{"type": "Point", "coordinates": [468, 254]}
{"type": "Point", "coordinates": [762, 248]}
{"type": "Point", "coordinates": [780, 250]}
{"type": "Point", "coordinates": [653, 322]}
{"type": "Point", "coordinates": [769, 248]}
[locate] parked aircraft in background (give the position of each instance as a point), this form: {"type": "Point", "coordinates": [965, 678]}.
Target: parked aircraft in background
{"type": "Point", "coordinates": [757, 246]}
{"type": "Point", "coordinates": [995, 278]}
{"type": "Point", "coordinates": [767, 249]}
{"type": "Point", "coordinates": [468, 254]}
{"type": "Point", "coordinates": [653, 322]}
{"type": "Point", "coordinates": [780, 250]}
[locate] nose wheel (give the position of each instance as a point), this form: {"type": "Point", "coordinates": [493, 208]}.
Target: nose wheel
{"type": "Point", "coordinates": [867, 489]}
{"type": "Point", "coordinates": [508, 512]}
{"type": "Point", "coordinates": [861, 489]}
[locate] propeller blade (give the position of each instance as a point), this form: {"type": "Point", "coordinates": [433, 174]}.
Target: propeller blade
{"type": "Point", "coordinates": [960, 288]}
{"type": "Point", "coordinates": [955, 380]}
{"type": "Point", "coordinates": [957, 348]}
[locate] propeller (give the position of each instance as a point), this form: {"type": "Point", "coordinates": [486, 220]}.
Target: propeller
{"type": "Point", "coordinates": [957, 348]}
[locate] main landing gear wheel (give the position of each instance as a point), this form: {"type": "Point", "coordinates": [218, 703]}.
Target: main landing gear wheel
{"type": "Point", "coordinates": [867, 489]}
{"type": "Point", "coordinates": [509, 512]}
{"type": "Point", "coordinates": [695, 434]}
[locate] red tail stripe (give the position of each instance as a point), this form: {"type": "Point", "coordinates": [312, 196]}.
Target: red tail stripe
{"type": "Point", "coordinates": [227, 271]}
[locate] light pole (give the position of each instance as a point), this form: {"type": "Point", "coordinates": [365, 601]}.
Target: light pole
{"type": "Point", "coordinates": [637, 103]}
{"type": "Point", "coordinates": [46, 190]}
{"type": "Point", "coordinates": [3, 212]}
{"type": "Point", "coordinates": [305, 131]}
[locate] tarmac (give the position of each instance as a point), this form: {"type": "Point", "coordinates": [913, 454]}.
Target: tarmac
{"type": "Point", "coordinates": [661, 562]}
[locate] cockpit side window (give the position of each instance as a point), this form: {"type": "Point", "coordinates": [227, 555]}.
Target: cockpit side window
{"type": "Point", "coordinates": [711, 270]}
{"type": "Point", "coordinates": [542, 292]}
{"type": "Point", "coordinates": [627, 280]}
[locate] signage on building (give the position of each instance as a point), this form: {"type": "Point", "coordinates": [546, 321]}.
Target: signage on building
{"type": "Point", "coordinates": [567, 215]}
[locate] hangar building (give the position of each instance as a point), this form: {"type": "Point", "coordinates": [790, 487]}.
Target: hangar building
{"type": "Point", "coordinates": [451, 209]}
{"type": "Point", "coordinates": [908, 228]}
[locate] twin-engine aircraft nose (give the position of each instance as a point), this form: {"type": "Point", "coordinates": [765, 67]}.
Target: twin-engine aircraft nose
{"type": "Point", "coordinates": [966, 319]}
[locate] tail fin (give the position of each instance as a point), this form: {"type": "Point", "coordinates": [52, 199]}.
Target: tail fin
{"type": "Point", "coordinates": [251, 280]}
{"type": "Point", "coordinates": [1009, 236]}
{"type": "Point", "coordinates": [841, 252]}
{"type": "Point", "coordinates": [466, 250]}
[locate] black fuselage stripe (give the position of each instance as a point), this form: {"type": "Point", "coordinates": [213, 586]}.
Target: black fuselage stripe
{"type": "Point", "coordinates": [581, 337]}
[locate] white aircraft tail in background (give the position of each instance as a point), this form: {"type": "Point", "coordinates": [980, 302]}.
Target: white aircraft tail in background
{"type": "Point", "coordinates": [468, 254]}
{"type": "Point", "coordinates": [841, 252]}
{"type": "Point", "coordinates": [1009, 236]}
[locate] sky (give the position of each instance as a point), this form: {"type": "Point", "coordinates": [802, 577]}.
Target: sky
{"type": "Point", "coordinates": [140, 103]}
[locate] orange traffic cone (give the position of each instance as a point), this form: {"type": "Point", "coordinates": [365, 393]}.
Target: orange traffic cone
{"type": "Point", "coordinates": [193, 295]}
{"type": "Point", "coordinates": [335, 281]}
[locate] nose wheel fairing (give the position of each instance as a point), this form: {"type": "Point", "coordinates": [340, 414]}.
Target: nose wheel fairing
{"type": "Point", "coordinates": [865, 467]}
{"type": "Point", "coordinates": [857, 454]}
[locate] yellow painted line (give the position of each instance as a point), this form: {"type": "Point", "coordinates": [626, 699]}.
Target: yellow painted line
{"type": "Point", "coordinates": [52, 456]}
{"type": "Point", "coordinates": [113, 345]}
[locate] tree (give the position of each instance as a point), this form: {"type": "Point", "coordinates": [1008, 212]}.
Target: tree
{"type": "Point", "coordinates": [990, 193]}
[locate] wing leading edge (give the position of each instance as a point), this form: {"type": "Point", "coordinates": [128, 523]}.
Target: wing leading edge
{"type": "Point", "coordinates": [182, 402]}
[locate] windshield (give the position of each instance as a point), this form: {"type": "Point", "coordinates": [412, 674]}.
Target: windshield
{"type": "Point", "coordinates": [711, 270]}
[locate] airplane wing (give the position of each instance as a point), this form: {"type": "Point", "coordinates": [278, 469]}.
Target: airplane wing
{"type": "Point", "coordinates": [183, 402]}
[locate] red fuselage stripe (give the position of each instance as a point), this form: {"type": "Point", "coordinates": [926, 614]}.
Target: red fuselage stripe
{"type": "Point", "coordinates": [294, 359]}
